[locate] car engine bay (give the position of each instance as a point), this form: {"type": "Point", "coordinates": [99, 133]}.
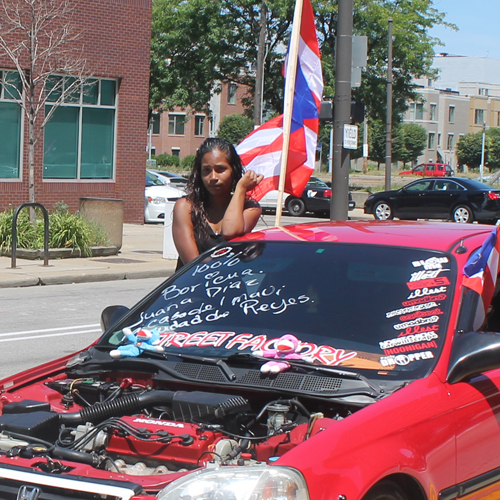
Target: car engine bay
{"type": "Point", "coordinates": [132, 425]}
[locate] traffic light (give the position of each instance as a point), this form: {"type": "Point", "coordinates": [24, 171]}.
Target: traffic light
{"type": "Point", "coordinates": [357, 111]}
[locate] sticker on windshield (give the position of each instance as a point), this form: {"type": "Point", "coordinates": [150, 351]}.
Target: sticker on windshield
{"type": "Point", "coordinates": [296, 349]}
{"type": "Point", "coordinates": [431, 263]}
{"type": "Point", "coordinates": [405, 359]}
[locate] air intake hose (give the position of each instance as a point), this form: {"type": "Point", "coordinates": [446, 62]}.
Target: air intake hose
{"type": "Point", "coordinates": [117, 407]}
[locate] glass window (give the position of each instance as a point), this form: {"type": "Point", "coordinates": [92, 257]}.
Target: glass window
{"type": "Point", "coordinates": [450, 141]}
{"type": "Point", "coordinates": [10, 132]}
{"type": "Point", "coordinates": [451, 114]}
{"type": "Point", "coordinates": [479, 116]}
{"type": "Point", "coordinates": [412, 111]}
{"type": "Point", "coordinates": [108, 92]}
{"type": "Point", "coordinates": [176, 152]}
{"type": "Point", "coordinates": [79, 141]}
{"type": "Point", "coordinates": [419, 111]}
{"type": "Point", "coordinates": [91, 91]}
{"type": "Point", "coordinates": [176, 124]}
{"type": "Point", "coordinates": [231, 93]}
{"type": "Point", "coordinates": [156, 123]}
{"type": "Point", "coordinates": [199, 125]}
{"type": "Point", "coordinates": [53, 88]}
{"type": "Point", "coordinates": [12, 85]}
{"type": "Point", "coordinates": [10, 124]}
{"type": "Point", "coordinates": [432, 112]}
{"type": "Point", "coordinates": [60, 157]}
{"type": "Point", "coordinates": [431, 140]}
{"type": "Point", "coordinates": [419, 186]}
{"type": "Point", "coordinates": [97, 143]}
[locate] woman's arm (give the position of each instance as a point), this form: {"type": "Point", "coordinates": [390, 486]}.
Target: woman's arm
{"type": "Point", "coordinates": [241, 214]}
{"type": "Point", "coordinates": [183, 231]}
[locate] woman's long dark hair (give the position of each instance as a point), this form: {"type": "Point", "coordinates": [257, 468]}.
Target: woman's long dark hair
{"type": "Point", "coordinates": [196, 192]}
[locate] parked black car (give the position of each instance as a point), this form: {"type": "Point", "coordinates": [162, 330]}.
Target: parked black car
{"type": "Point", "coordinates": [315, 198]}
{"type": "Point", "coordinates": [461, 200]}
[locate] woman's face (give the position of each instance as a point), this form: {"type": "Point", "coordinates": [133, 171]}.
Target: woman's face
{"type": "Point", "coordinates": [216, 173]}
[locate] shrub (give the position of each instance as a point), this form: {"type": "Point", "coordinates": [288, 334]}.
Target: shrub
{"type": "Point", "coordinates": [66, 230]}
{"type": "Point", "coordinates": [187, 162]}
{"type": "Point", "coordinates": [166, 160]}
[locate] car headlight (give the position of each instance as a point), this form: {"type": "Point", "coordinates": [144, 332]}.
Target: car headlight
{"type": "Point", "coordinates": [159, 200]}
{"type": "Point", "coordinates": [258, 482]}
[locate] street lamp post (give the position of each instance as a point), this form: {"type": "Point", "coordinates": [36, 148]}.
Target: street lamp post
{"type": "Point", "coordinates": [481, 167]}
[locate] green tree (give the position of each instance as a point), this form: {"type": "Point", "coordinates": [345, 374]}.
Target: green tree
{"type": "Point", "coordinates": [414, 141]}
{"type": "Point", "coordinates": [197, 44]}
{"type": "Point", "coordinates": [493, 148]}
{"type": "Point", "coordinates": [468, 150]}
{"type": "Point", "coordinates": [377, 137]}
{"type": "Point", "coordinates": [234, 128]}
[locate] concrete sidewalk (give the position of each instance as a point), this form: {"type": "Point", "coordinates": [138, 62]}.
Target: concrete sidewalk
{"type": "Point", "coordinates": [141, 256]}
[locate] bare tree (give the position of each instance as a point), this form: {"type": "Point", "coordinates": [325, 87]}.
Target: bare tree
{"type": "Point", "coordinates": [42, 42]}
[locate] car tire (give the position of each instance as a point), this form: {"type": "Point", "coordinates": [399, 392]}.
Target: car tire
{"type": "Point", "coordinates": [462, 214]}
{"type": "Point", "coordinates": [386, 490]}
{"type": "Point", "coordinates": [383, 211]}
{"type": "Point", "coordinates": [296, 207]}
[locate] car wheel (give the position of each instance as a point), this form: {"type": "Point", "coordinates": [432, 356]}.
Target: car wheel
{"type": "Point", "coordinates": [296, 207]}
{"type": "Point", "coordinates": [386, 490]}
{"type": "Point", "coordinates": [383, 211]}
{"type": "Point", "coordinates": [462, 214]}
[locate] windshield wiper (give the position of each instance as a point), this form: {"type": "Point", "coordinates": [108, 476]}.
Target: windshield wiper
{"type": "Point", "coordinates": [202, 359]}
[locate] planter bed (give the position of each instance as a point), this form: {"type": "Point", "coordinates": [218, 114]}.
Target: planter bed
{"type": "Point", "coordinates": [60, 253]}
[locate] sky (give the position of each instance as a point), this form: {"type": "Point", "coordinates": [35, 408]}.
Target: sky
{"type": "Point", "coordinates": [479, 28]}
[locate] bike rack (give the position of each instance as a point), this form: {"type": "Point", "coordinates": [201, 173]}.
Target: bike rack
{"type": "Point", "coordinates": [45, 232]}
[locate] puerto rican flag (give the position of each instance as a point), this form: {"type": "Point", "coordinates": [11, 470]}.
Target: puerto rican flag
{"type": "Point", "coordinates": [480, 276]}
{"type": "Point", "coordinates": [261, 150]}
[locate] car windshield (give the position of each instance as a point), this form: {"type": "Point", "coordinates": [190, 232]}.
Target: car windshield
{"type": "Point", "coordinates": [378, 310]}
{"type": "Point", "coordinates": [152, 180]}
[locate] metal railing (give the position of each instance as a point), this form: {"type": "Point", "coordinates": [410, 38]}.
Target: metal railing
{"type": "Point", "coordinates": [45, 232]}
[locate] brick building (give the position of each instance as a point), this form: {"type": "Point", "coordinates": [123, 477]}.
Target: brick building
{"type": "Point", "coordinates": [180, 132]}
{"type": "Point", "coordinates": [94, 145]}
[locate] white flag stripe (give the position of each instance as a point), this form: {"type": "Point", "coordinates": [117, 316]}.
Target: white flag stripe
{"type": "Point", "coordinates": [311, 66]}
{"type": "Point", "coordinates": [260, 138]}
{"type": "Point", "coordinates": [33, 337]}
{"type": "Point", "coordinates": [52, 329]}
{"type": "Point", "coordinates": [311, 141]}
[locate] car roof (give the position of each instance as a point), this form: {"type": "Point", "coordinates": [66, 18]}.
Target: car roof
{"type": "Point", "coordinates": [426, 235]}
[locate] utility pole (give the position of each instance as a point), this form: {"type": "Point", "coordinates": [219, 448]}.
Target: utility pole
{"type": "Point", "coordinates": [342, 111]}
{"type": "Point", "coordinates": [481, 167]}
{"type": "Point", "coordinates": [259, 76]}
{"type": "Point", "coordinates": [388, 140]}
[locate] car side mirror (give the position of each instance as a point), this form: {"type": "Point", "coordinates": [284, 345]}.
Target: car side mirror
{"type": "Point", "coordinates": [473, 353]}
{"type": "Point", "coordinates": [111, 315]}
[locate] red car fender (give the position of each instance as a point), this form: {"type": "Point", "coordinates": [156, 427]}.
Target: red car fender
{"type": "Point", "coordinates": [410, 432]}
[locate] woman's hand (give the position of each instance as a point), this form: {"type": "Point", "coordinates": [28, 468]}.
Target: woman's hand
{"type": "Point", "coordinates": [249, 181]}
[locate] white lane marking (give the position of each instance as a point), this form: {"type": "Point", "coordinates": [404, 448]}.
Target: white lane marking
{"type": "Point", "coordinates": [51, 335]}
{"type": "Point", "coordinates": [51, 329]}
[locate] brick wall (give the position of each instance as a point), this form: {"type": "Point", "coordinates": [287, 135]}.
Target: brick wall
{"type": "Point", "coordinates": [115, 35]}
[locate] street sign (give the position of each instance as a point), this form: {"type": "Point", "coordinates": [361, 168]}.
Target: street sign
{"type": "Point", "coordinates": [350, 136]}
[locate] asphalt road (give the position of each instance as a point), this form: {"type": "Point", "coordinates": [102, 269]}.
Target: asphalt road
{"type": "Point", "coordinates": [42, 323]}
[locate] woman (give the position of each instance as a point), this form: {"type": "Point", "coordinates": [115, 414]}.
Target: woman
{"type": "Point", "coordinates": [216, 207]}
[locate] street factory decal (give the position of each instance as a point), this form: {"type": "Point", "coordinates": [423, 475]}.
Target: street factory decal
{"type": "Point", "coordinates": [417, 323]}
{"type": "Point", "coordinates": [313, 353]}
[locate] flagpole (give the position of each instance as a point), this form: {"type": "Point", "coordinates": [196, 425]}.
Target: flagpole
{"type": "Point", "coordinates": [290, 78]}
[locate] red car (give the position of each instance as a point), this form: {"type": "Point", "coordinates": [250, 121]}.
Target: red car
{"type": "Point", "coordinates": [430, 170]}
{"type": "Point", "coordinates": [323, 361]}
